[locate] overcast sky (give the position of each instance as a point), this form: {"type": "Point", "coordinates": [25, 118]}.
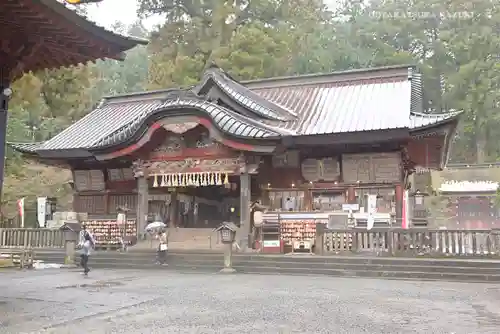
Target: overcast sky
{"type": "Point", "coordinates": [109, 11]}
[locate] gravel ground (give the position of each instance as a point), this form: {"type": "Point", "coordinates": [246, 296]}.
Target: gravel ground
{"type": "Point", "coordinates": [58, 301]}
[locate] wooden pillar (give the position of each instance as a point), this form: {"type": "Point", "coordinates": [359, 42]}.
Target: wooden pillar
{"type": "Point", "coordinates": [142, 203]}
{"type": "Point", "coordinates": [351, 195]}
{"type": "Point", "coordinates": [399, 204]}
{"type": "Point", "coordinates": [174, 208]}
{"type": "Point", "coordinates": [4, 83]}
{"type": "Point", "coordinates": [243, 232]}
{"type": "Point", "coordinates": [106, 203]}
{"type": "Point", "coordinates": [76, 203]}
{"type": "Point", "coordinates": [308, 200]}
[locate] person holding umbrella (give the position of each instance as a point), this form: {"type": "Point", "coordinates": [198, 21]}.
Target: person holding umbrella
{"type": "Point", "coordinates": [162, 247]}
{"type": "Point", "coordinates": [159, 228]}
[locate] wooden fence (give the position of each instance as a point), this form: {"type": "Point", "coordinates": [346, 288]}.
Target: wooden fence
{"type": "Point", "coordinates": [31, 238]}
{"type": "Point", "coordinates": [16, 257]}
{"type": "Point", "coordinates": [410, 242]}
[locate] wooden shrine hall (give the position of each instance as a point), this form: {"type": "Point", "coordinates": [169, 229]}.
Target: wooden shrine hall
{"type": "Point", "coordinates": [197, 156]}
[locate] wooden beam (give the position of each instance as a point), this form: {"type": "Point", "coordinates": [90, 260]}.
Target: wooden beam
{"type": "Point", "coordinates": [65, 25]}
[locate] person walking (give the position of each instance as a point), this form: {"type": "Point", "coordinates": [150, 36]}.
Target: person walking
{"type": "Point", "coordinates": [162, 247]}
{"type": "Point", "coordinates": [87, 243]}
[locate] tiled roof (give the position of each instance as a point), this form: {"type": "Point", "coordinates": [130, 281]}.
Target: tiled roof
{"type": "Point", "coordinates": [332, 108]}
{"type": "Point", "coordinates": [126, 42]}
{"type": "Point", "coordinates": [68, 38]}
{"type": "Point", "coordinates": [359, 101]}
{"type": "Point", "coordinates": [227, 120]}
{"type": "Point", "coordinates": [246, 97]}
{"type": "Point", "coordinates": [420, 120]}
{"type": "Point", "coordinates": [25, 147]}
{"type": "Point", "coordinates": [100, 123]}
{"type": "Point", "coordinates": [362, 100]}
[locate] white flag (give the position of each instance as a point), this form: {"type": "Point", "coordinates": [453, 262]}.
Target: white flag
{"type": "Point", "coordinates": [20, 210]}
{"type": "Point", "coordinates": [372, 209]}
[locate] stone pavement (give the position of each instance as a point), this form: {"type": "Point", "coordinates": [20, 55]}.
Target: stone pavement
{"type": "Point", "coordinates": [63, 301]}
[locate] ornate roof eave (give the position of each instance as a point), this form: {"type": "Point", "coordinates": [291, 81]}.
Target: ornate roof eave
{"type": "Point", "coordinates": [445, 126]}
{"type": "Point", "coordinates": [185, 107]}
{"type": "Point", "coordinates": [25, 148]}
{"type": "Point", "coordinates": [34, 152]}
{"type": "Point", "coordinates": [242, 96]}
{"type": "Point", "coordinates": [119, 41]}
{"type": "Point", "coordinates": [436, 123]}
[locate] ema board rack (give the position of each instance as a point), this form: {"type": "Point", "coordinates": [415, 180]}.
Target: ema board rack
{"type": "Point", "coordinates": [297, 230]}
{"type": "Point", "coordinates": [108, 233]}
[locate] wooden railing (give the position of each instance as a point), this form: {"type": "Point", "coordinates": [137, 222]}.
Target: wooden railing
{"type": "Point", "coordinates": [411, 242]}
{"type": "Point", "coordinates": [31, 238]}
{"type": "Point", "coordinates": [20, 258]}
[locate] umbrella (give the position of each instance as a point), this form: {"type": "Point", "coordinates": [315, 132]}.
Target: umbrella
{"type": "Point", "coordinates": [154, 226]}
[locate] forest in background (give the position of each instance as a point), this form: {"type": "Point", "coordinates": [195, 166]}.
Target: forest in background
{"type": "Point", "coordinates": [455, 44]}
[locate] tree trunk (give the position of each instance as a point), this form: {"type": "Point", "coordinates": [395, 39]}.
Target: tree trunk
{"type": "Point", "coordinates": [481, 141]}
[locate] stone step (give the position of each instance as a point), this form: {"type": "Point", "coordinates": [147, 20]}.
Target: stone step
{"type": "Point", "coordinates": [311, 259]}
{"type": "Point", "coordinates": [208, 268]}
{"type": "Point", "coordinates": [260, 265]}
{"type": "Point", "coordinates": [432, 269]}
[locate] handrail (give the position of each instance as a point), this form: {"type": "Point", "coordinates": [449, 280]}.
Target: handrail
{"type": "Point", "coordinates": [415, 241]}
{"type": "Point", "coordinates": [31, 238]}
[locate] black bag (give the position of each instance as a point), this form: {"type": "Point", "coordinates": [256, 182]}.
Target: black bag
{"type": "Point", "coordinates": [87, 237]}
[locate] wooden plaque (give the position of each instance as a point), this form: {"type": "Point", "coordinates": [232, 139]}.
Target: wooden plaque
{"type": "Point", "coordinates": [310, 170]}
{"type": "Point", "coordinates": [329, 170]}
{"type": "Point", "coordinates": [371, 167]}
{"type": "Point", "coordinates": [89, 180]}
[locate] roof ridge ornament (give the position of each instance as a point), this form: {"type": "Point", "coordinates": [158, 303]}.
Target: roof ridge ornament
{"type": "Point", "coordinates": [243, 95]}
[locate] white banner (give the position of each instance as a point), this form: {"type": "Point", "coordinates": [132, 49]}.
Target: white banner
{"type": "Point", "coordinates": [20, 210]}
{"type": "Point", "coordinates": [372, 210]}
{"type": "Point", "coordinates": [406, 210]}
{"type": "Point", "coordinates": [41, 210]}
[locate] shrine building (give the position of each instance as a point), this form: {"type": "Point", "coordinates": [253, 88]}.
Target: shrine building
{"type": "Point", "coordinates": [308, 145]}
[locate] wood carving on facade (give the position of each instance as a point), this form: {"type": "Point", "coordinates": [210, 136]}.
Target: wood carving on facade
{"type": "Point", "coordinates": [172, 144]}
{"type": "Point", "coordinates": [195, 145]}
{"type": "Point", "coordinates": [205, 141]}
{"type": "Point", "coordinates": [138, 168]}
{"type": "Point", "coordinates": [180, 128]}
{"type": "Point", "coordinates": [193, 165]}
